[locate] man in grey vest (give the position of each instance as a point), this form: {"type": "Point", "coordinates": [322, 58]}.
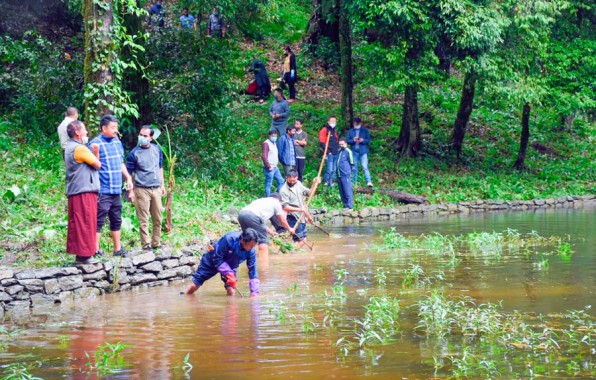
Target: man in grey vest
{"type": "Point", "coordinates": [270, 161]}
{"type": "Point", "coordinates": [215, 25]}
{"type": "Point", "coordinates": [82, 187]}
{"type": "Point", "coordinates": [145, 164]}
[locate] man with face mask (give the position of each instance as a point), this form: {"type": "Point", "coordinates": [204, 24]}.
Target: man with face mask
{"type": "Point", "coordinates": [293, 201]}
{"type": "Point", "coordinates": [329, 130]}
{"type": "Point", "coordinates": [359, 140]}
{"type": "Point", "coordinates": [279, 112]}
{"type": "Point", "coordinates": [270, 161]}
{"type": "Point", "coordinates": [145, 164]}
{"type": "Point", "coordinates": [82, 186]}
{"type": "Point", "coordinates": [215, 25]}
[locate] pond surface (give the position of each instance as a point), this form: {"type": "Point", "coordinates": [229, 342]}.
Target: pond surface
{"type": "Point", "coordinates": [281, 334]}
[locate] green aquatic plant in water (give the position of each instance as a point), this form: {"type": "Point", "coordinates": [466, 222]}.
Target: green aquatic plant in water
{"type": "Point", "coordinates": [412, 275]}
{"type": "Point", "coordinates": [440, 316]}
{"type": "Point", "coordinates": [186, 366]}
{"type": "Point", "coordinates": [20, 371]}
{"type": "Point", "coordinates": [381, 276]}
{"type": "Point", "coordinates": [378, 326]}
{"type": "Point", "coordinates": [107, 359]}
{"type": "Point", "coordinates": [536, 345]}
{"type": "Point", "coordinates": [488, 244]}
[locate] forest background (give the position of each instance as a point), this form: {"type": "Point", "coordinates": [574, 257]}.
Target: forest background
{"type": "Point", "coordinates": [465, 99]}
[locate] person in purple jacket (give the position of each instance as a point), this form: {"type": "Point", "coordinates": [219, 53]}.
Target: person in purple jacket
{"type": "Point", "coordinates": [224, 257]}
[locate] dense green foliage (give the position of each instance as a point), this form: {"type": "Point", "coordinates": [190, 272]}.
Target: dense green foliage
{"type": "Point", "coordinates": [196, 85]}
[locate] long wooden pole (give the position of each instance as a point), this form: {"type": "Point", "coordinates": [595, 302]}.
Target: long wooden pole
{"type": "Point", "coordinates": [316, 183]}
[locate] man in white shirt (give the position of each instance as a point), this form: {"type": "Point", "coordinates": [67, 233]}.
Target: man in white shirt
{"type": "Point", "coordinates": [71, 115]}
{"type": "Point", "coordinates": [256, 214]}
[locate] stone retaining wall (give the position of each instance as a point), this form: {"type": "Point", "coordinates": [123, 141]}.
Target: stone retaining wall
{"type": "Point", "coordinates": [23, 289]}
{"type": "Point", "coordinates": [368, 214]}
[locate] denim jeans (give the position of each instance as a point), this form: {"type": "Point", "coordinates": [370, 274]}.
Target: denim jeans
{"type": "Point", "coordinates": [270, 175]}
{"type": "Point", "coordinates": [330, 168]}
{"type": "Point", "coordinates": [363, 159]}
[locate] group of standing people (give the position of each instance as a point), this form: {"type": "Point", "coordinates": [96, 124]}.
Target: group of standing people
{"type": "Point", "coordinates": [215, 22]}
{"type": "Point", "coordinates": [286, 145]}
{"type": "Point", "coordinates": [94, 182]}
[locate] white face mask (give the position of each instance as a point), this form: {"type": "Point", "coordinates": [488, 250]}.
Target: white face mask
{"type": "Point", "coordinates": [85, 139]}
{"type": "Point", "coordinates": [332, 125]}
{"type": "Point", "coordinates": [357, 126]}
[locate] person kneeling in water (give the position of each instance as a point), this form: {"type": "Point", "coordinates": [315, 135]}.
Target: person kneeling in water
{"type": "Point", "coordinates": [224, 257]}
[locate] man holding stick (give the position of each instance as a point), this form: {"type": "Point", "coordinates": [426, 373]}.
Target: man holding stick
{"type": "Point", "coordinates": [293, 194]}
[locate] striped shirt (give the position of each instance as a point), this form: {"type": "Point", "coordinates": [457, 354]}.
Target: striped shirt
{"type": "Point", "coordinates": [111, 156]}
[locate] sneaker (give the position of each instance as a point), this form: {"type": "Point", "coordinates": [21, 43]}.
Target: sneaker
{"type": "Point", "coordinates": [98, 254]}
{"type": "Point", "coordinates": [159, 246]}
{"type": "Point", "coordinates": [86, 260]}
{"type": "Point", "coordinates": [369, 184]}
{"type": "Point", "coordinates": [121, 253]}
{"type": "Point", "coordinates": [147, 248]}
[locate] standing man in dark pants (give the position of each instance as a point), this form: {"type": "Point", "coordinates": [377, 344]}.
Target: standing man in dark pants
{"type": "Point", "coordinates": [359, 140]}
{"type": "Point", "coordinates": [145, 162]}
{"type": "Point", "coordinates": [279, 112]}
{"type": "Point", "coordinates": [290, 73]}
{"type": "Point", "coordinates": [300, 139]}
{"type": "Point", "coordinates": [215, 25]}
{"type": "Point", "coordinates": [329, 131]}
{"type": "Point", "coordinates": [345, 164]}
{"type": "Point", "coordinates": [111, 156]}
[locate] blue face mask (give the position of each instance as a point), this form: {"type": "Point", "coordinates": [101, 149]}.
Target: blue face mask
{"type": "Point", "coordinates": [273, 138]}
{"type": "Point", "coordinates": [143, 141]}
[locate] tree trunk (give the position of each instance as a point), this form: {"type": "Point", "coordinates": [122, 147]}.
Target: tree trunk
{"type": "Point", "coordinates": [525, 137]}
{"type": "Point", "coordinates": [465, 110]}
{"type": "Point", "coordinates": [409, 135]}
{"type": "Point", "coordinates": [320, 24]}
{"type": "Point", "coordinates": [399, 196]}
{"type": "Point", "coordinates": [135, 82]}
{"type": "Point", "coordinates": [345, 49]}
{"type": "Point", "coordinates": [98, 22]}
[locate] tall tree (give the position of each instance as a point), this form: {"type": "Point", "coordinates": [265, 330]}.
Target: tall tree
{"type": "Point", "coordinates": [105, 66]}
{"type": "Point", "coordinates": [324, 22]}
{"type": "Point", "coordinates": [521, 76]}
{"type": "Point", "coordinates": [98, 19]}
{"type": "Point", "coordinates": [345, 50]}
{"type": "Point", "coordinates": [473, 29]}
{"type": "Point", "coordinates": [407, 26]}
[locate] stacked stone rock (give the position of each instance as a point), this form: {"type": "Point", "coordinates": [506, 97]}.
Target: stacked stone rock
{"type": "Point", "coordinates": [31, 288]}
{"type": "Point", "coordinates": [367, 214]}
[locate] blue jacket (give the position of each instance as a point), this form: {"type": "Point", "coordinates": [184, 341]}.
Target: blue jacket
{"type": "Point", "coordinates": [286, 150]}
{"type": "Point", "coordinates": [345, 163]}
{"type": "Point", "coordinates": [229, 250]}
{"type": "Point", "coordinates": [360, 148]}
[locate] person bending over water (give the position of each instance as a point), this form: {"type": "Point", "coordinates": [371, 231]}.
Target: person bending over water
{"type": "Point", "coordinates": [224, 257]}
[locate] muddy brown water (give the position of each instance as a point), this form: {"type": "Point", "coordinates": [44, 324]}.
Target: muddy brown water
{"type": "Point", "coordinates": [243, 338]}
